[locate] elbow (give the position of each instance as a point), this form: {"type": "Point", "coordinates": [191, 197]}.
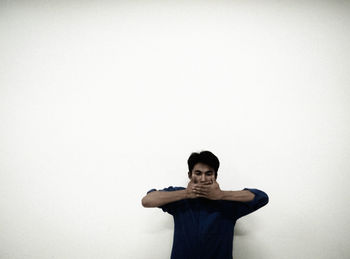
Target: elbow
{"type": "Point", "coordinates": [266, 199]}
{"type": "Point", "coordinates": [146, 202]}
{"type": "Point", "coordinates": [251, 196]}
{"type": "Point", "coordinates": [263, 199]}
{"type": "Point", "coordinates": [150, 201]}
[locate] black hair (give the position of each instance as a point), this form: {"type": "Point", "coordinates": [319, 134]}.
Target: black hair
{"type": "Point", "coordinates": [205, 157]}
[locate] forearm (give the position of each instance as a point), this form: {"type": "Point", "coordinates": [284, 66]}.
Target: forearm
{"type": "Point", "coordinates": [159, 198]}
{"type": "Point", "coordinates": [242, 196]}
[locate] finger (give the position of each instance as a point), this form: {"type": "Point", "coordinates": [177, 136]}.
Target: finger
{"type": "Point", "coordinates": [202, 185]}
{"type": "Point", "coordinates": [200, 192]}
{"type": "Point", "coordinates": [201, 188]}
{"type": "Point", "coordinates": [205, 183]}
{"type": "Point", "coordinates": [197, 188]}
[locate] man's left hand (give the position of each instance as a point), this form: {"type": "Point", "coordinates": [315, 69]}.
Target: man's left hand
{"type": "Point", "coordinates": [210, 191]}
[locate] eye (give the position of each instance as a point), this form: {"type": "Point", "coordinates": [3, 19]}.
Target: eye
{"type": "Point", "coordinates": [209, 173]}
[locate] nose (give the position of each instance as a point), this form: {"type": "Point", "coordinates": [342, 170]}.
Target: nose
{"type": "Point", "coordinates": [202, 178]}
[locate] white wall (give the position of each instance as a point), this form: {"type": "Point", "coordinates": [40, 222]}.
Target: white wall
{"type": "Point", "coordinates": [101, 101]}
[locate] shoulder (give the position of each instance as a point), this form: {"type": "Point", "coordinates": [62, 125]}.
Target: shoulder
{"type": "Point", "coordinates": [168, 189]}
{"type": "Point", "coordinates": [173, 188]}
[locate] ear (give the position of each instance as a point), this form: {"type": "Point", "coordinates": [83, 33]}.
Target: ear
{"type": "Point", "coordinates": [189, 174]}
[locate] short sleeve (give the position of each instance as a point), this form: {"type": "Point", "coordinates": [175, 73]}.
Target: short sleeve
{"type": "Point", "coordinates": [170, 207]}
{"type": "Point", "coordinates": [241, 209]}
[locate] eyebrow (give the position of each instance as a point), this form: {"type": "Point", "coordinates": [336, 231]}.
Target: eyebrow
{"type": "Point", "coordinates": [210, 171]}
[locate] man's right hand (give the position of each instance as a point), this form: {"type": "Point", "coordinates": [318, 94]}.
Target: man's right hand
{"type": "Point", "coordinates": [190, 190]}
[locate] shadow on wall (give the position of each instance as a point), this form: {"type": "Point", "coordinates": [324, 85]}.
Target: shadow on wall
{"type": "Point", "coordinates": [244, 228]}
{"type": "Point", "coordinates": [250, 247]}
{"type": "Point", "coordinates": [246, 244]}
{"type": "Point", "coordinates": [157, 222]}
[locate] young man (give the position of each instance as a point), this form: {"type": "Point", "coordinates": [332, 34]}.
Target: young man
{"type": "Point", "coordinates": [204, 215]}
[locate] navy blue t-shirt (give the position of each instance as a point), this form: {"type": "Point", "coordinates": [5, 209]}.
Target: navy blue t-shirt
{"type": "Point", "coordinates": [204, 228]}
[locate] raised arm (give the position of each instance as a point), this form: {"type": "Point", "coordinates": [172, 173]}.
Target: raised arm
{"type": "Point", "coordinates": [160, 198]}
{"type": "Point", "coordinates": [242, 196]}
{"type": "Point", "coordinates": [249, 199]}
{"type": "Point", "coordinates": [213, 192]}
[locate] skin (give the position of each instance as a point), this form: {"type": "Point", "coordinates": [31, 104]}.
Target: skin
{"type": "Point", "coordinates": [202, 184]}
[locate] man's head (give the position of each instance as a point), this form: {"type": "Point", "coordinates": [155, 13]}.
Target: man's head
{"type": "Point", "coordinates": [203, 166]}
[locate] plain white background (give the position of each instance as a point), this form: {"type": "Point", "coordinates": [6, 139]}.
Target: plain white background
{"type": "Point", "coordinates": [101, 101]}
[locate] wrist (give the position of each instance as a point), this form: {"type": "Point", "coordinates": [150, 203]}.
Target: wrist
{"type": "Point", "coordinates": [222, 195]}
{"type": "Point", "coordinates": [185, 194]}
{"type": "Point", "coordinates": [225, 195]}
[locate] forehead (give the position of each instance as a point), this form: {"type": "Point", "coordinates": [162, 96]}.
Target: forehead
{"type": "Point", "coordinates": [202, 167]}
